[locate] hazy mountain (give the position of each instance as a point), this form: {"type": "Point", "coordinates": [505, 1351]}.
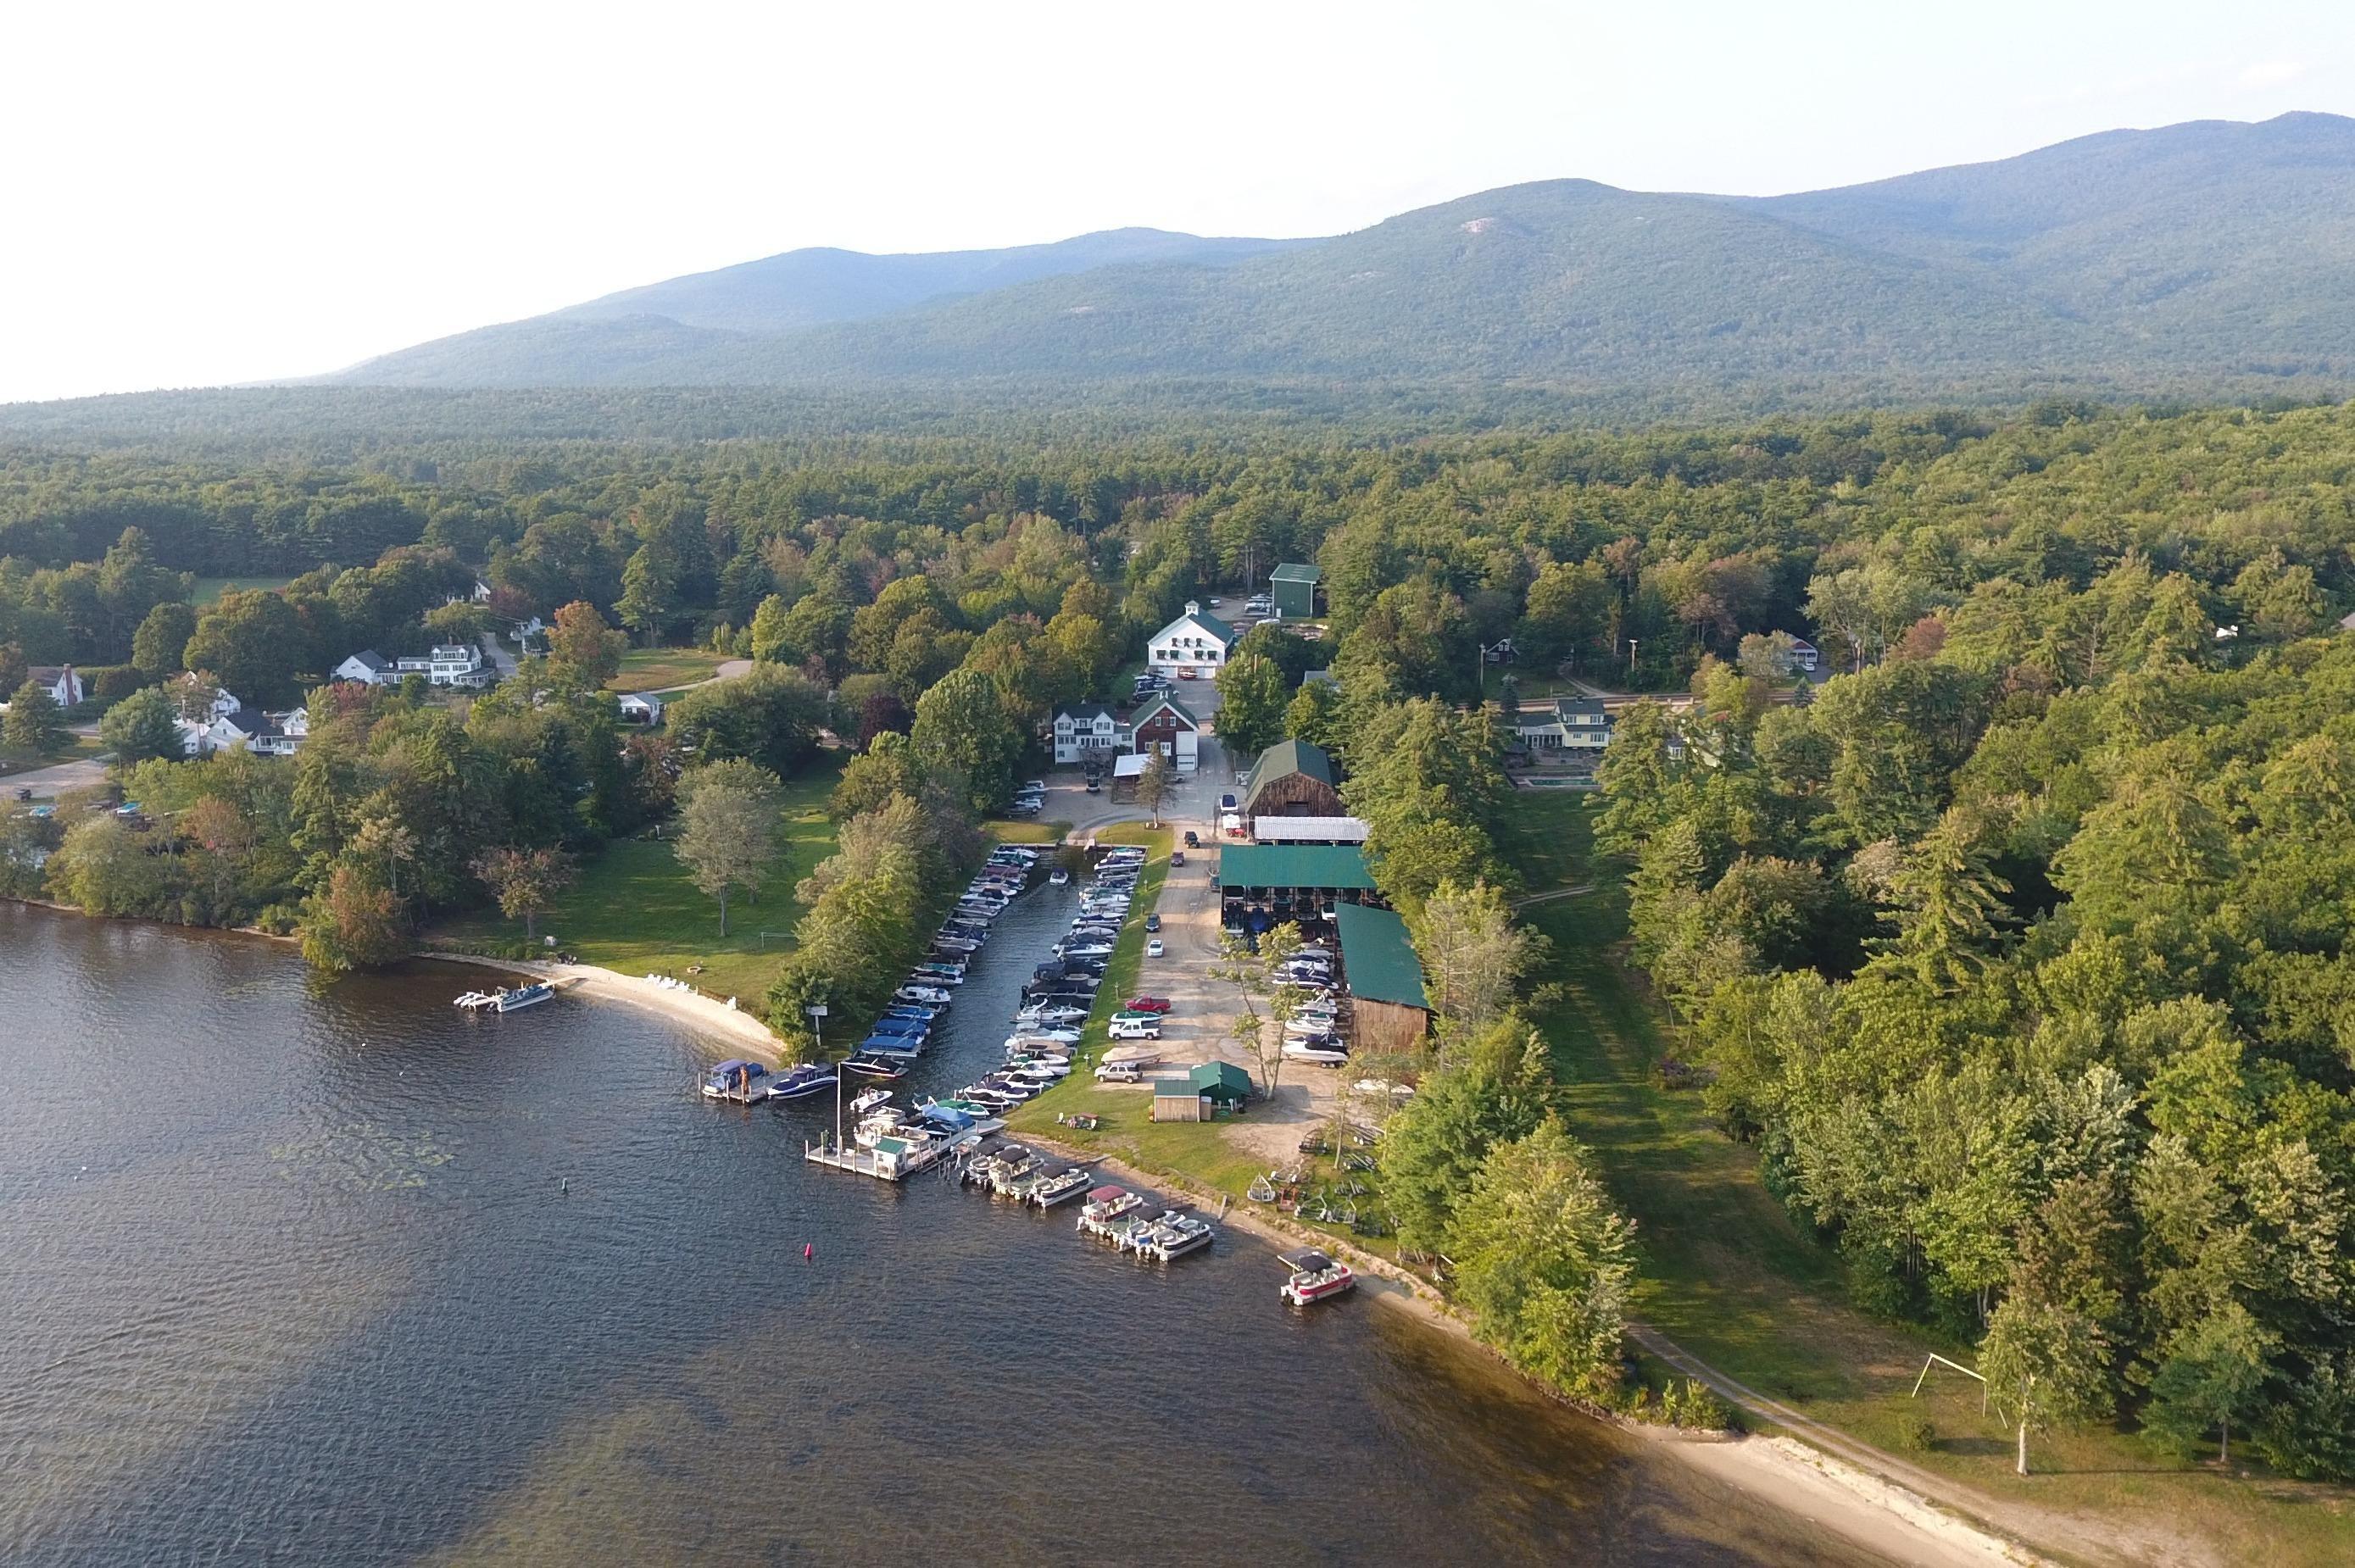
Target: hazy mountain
{"type": "Point", "coordinates": [640, 334]}
{"type": "Point", "coordinates": [2131, 260]}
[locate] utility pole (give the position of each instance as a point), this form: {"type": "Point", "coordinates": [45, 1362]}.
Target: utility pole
{"type": "Point", "coordinates": [817, 1027]}
{"type": "Point", "coordinates": [1631, 658]}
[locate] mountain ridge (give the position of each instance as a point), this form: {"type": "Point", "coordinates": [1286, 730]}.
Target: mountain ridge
{"type": "Point", "coordinates": [2210, 248]}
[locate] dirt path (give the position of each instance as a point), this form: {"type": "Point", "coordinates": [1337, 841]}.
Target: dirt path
{"type": "Point", "coordinates": [1551, 894]}
{"type": "Point", "coordinates": [2088, 1541]}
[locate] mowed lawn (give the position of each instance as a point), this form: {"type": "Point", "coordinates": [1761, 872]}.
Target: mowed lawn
{"type": "Point", "coordinates": [1726, 1273]}
{"type": "Point", "coordinates": [634, 908]}
{"type": "Point", "coordinates": [1546, 837]}
{"type": "Point", "coordinates": [664, 669]}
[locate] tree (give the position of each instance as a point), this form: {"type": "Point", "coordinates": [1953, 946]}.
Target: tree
{"type": "Point", "coordinates": [1154, 784]}
{"type": "Point", "coordinates": [962, 725]}
{"type": "Point", "coordinates": [579, 637]}
{"type": "Point", "coordinates": [770, 714]}
{"type": "Point", "coordinates": [353, 922]}
{"type": "Point", "coordinates": [1314, 715]}
{"type": "Point", "coordinates": [163, 636]}
{"type": "Point", "coordinates": [256, 644]}
{"type": "Point", "coordinates": [104, 867]}
{"type": "Point", "coordinates": [528, 881]}
{"type": "Point", "coordinates": [34, 723]}
{"type": "Point", "coordinates": [729, 830]}
{"type": "Point", "coordinates": [1474, 956]}
{"type": "Point", "coordinates": [2215, 1370]}
{"type": "Point", "coordinates": [1252, 700]}
{"type": "Point", "coordinates": [1544, 1261]}
{"type": "Point", "coordinates": [2046, 1365]}
{"type": "Point", "coordinates": [226, 836]}
{"type": "Point", "coordinates": [141, 726]}
{"type": "Point", "coordinates": [1436, 1143]}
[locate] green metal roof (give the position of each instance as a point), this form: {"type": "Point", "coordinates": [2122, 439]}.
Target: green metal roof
{"type": "Point", "coordinates": [1221, 1080]}
{"type": "Point", "coordinates": [1174, 1089]}
{"type": "Point", "coordinates": [1378, 958]}
{"type": "Point", "coordinates": [1291, 757]}
{"type": "Point", "coordinates": [1294, 572]}
{"type": "Point", "coordinates": [1330, 866]}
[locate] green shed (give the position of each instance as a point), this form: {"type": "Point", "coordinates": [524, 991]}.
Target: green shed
{"type": "Point", "coordinates": [1293, 587]}
{"type": "Point", "coordinates": [1221, 1082]}
{"type": "Point", "coordinates": [1387, 1002]}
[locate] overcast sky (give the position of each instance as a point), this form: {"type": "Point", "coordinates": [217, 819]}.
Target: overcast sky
{"type": "Point", "coordinates": [229, 191]}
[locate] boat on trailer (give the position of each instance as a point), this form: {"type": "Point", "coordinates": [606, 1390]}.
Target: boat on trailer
{"type": "Point", "coordinates": [1314, 1277]}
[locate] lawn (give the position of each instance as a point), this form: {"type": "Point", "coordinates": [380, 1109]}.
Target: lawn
{"type": "Point", "coordinates": [1549, 838]}
{"type": "Point", "coordinates": [77, 747]}
{"type": "Point", "coordinates": [205, 592]}
{"type": "Point", "coordinates": [1726, 1275]}
{"type": "Point", "coordinates": [635, 910]}
{"type": "Point", "coordinates": [664, 669]}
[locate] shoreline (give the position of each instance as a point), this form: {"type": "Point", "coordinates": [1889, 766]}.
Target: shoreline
{"type": "Point", "coordinates": [689, 1007]}
{"type": "Point", "coordinates": [1859, 1506]}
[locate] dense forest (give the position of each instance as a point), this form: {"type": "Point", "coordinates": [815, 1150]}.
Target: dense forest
{"type": "Point", "coordinates": [2018, 947]}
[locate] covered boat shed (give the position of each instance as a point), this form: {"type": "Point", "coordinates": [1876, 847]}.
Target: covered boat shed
{"type": "Point", "coordinates": [1262, 885]}
{"type": "Point", "coordinates": [1387, 1004]}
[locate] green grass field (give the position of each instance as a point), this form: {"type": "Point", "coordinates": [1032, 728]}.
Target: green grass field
{"type": "Point", "coordinates": [205, 592]}
{"type": "Point", "coordinates": [664, 669]}
{"type": "Point", "coordinates": [1726, 1275]}
{"type": "Point", "coordinates": [634, 908]}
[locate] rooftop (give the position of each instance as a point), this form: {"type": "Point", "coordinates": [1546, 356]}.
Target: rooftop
{"type": "Point", "coordinates": [1377, 956]}
{"type": "Point", "coordinates": [1340, 867]}
{"type": "Point", "coordinates": [1294, 572]}
{"type": "Point", "coordinates": [1291, 757]}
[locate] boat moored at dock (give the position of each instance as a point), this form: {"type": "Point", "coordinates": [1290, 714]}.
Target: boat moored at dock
{"type": "Point", "coordinates": [1313, 1277]}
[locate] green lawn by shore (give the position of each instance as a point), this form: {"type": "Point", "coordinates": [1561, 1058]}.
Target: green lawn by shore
{"type": "Point", "coordinates": [633, 909]}
{"type": "Point", "coordinates": [1728, 1275]}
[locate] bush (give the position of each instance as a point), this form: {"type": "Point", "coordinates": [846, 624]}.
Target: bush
{"type": "Point", "coordinates": [111, 683]}
{"type": "Point", "coordinates": [1917, 1434]}
{"type": "Point", "coordinates": [279, 920]}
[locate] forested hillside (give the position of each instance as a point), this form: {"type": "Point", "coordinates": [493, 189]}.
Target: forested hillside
{"type": "Point", "coordinates": [2018, 947]}
{"type": "Point", "coordinates": [2209, 259]}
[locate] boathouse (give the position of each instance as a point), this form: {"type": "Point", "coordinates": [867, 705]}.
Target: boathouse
{"type": "Point", "coordinates": [1294, 778]}
{"type": "Point", "coordinates": [1387, 1004]}
{"type": "Point", "coordinates": [1261, 885]}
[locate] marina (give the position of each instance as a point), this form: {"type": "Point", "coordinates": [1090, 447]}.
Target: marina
{"type": "Point", "coordinates": [450, 1299]}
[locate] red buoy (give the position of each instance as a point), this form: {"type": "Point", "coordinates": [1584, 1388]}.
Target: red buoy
{"type": "Point", "coordinates": [808, 1252]}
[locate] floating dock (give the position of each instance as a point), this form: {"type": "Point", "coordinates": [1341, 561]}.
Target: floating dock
{"type": "Point", "coordinates": [891, 1159]}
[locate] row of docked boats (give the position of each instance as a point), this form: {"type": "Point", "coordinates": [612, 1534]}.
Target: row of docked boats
{"type": "Point", "coordinates": [745, 1082]}
{"type": "Point", "coordinates": [905, 1028]}
{"type": "Point", "coordinates": [1024, 1174]}
{"type": "Point", "coordinates": [1125, 1218]}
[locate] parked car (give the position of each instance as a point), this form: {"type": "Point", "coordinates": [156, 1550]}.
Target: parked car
{"type": "Point", "coordinates": [1034, 787]}
{"type": "Point", "coordinates": [1178, 857]}
{"type": "Point", "coordinates": [1152, 948]}
{"type": "Point", "coordinates": [1187, 674]}
{"type": "Point", "coordinates": [1152, 922]}
{"type": "Point", "coordinates": [1096, 786]}
{"type": "Point", "coordinates": [1227, 802]}
{"type": "Point", "coordinates": [1193, 839]}
{"type": "Point", "coordinates": [1149, 1004]}
{"type": "Point", "coordinates": [1133, 1028]}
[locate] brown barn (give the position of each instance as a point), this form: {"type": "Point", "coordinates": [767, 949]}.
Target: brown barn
{"type": "Point", "coordinates": [1388, 1009]}
{"type": "Point", "coordinates": [1292, 778]}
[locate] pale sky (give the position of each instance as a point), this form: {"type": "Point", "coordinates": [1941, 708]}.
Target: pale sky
{"type": "Point", "coordinates": [225, 191]}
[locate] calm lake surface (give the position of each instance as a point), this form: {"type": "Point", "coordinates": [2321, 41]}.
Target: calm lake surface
{"type": "Point", "coordinates": [340, 1276]}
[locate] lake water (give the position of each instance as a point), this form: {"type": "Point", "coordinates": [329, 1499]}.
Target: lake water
{"type": "Point", "coordinates": [340, 1275]}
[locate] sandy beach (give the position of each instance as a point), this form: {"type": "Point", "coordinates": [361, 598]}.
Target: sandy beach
{"type": "Point", "coordinates": [1859, 1507]}
{"type": "Point", "coordinates": [743, 1030]}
